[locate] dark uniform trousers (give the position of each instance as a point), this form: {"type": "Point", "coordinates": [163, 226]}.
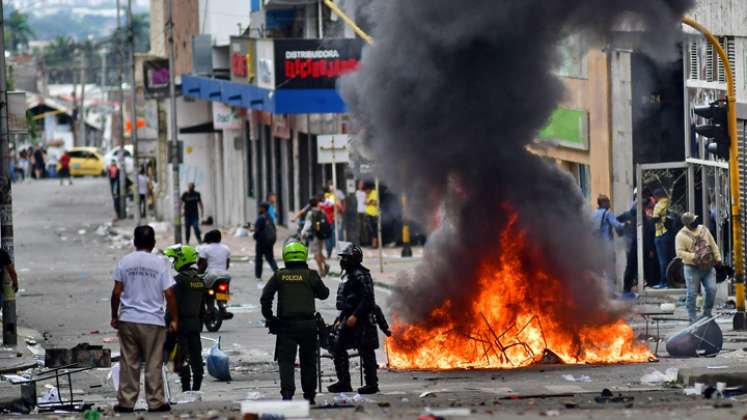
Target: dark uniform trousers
{"type": "Point", "coordinates": [190, 360]}
{"type": "Point", "coordinates": [351, 338]}
{"type": "Point", "coordinates": [301, 335]}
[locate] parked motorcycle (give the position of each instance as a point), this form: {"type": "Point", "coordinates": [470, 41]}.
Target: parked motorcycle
{"type": "Point", "coordinates": [216, 303]}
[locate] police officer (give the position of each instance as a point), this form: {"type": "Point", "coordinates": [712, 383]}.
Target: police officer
{"type": "Point", "coordinates": [190, 295]}
{"type": "Point", "coordinates": [356, 325]}
{"type": "Point", "coordinates": [295, 325]}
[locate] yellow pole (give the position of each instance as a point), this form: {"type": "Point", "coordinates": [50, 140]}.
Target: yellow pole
{"type": "Point", "coordinates": [332, 6]}
{"type": "Point", "coordinates": [736, 215]}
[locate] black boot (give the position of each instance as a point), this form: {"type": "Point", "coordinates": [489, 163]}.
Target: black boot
{"type": "Point", "coordinates": [196, 383]}
{"type": "Point", "coordinates": [368, 389]}
{"type": "Point", "coordinates": [338, 387]}
{"type": "Point", "coordinates": [184, 376]}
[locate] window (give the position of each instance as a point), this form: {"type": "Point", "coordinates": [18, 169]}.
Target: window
{"type": "Point", "coordinates": [584, 180]}
{"type": "Point", "coordinates": [713, 68]}
{"type": "Point", "coordinates": [693, 61]}
{"type": "Point", "coordinates": [573, 58]}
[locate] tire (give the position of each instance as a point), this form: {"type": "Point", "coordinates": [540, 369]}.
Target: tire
{"type": "Point", "coordinates": [213, 319]}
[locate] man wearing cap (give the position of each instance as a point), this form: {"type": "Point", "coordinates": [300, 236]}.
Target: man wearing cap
{"type": "Point", "coordinates": [696, 247]}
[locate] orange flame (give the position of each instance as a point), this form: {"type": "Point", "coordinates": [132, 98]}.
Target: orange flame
{"type": "Point", "coordinates": [512, 322]}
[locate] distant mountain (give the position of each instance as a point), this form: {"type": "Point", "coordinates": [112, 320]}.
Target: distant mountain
{"type": "Point", "coordinates": [78, 19]}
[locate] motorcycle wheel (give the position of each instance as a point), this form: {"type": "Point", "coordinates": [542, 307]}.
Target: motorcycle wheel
{"type": "Point", "coordinates": [213, 318]}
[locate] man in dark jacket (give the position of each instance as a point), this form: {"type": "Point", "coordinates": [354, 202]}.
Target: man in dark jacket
{"type": "Point", "coordinates": [295, 325]}
{"type": "Point", "coordinates": [356, 325]}
{"type": "Point", "coordinates": [190, 295]}
{"type": "Point", "coordinates": [264, 236]}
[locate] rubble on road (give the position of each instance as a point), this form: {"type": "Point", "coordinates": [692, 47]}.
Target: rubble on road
{"type": "Point", "coordinates": [83, 354]}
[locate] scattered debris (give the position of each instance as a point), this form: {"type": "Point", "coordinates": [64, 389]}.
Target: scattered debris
{"type": "Point", "coordinates": [84, 354]}
{"type": "Point", "coordinates": [608, 397]}
{"type": "Point", "coordinates": [218, 364]}
{"type": "Point", "coordinates": [571, 378]}
{"type": "Point", "coordinates": [448, 412]}
{"type": "Point", "coordinates": [285, 409]}
{"type": "Point", "coordinates": [656, 377]}
{"type": "Point", "coordinates": [703, 338]}
{"type": "Point", "coordinates": [427, 394]}
{"type": "Point", "coordinates": [550, 413]}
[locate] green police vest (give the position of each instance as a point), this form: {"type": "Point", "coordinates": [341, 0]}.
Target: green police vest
{"type": "Point", "coordinates": [295, 295]}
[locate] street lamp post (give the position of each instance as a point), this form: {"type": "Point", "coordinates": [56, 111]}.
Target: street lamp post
{"type": "Point", "coordinates": [740, 320]}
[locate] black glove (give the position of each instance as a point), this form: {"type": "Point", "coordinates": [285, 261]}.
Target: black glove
{"type": "Point", "coordinates": [273, 324]}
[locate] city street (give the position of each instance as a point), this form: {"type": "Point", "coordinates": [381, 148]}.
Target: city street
{"type": "Point", "coordinates": [65, 267]}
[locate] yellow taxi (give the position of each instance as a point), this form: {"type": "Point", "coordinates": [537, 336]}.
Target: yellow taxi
{"type": "Point", "coordinates": [85, 161]}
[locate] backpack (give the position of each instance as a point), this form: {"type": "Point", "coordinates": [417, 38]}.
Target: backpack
{"type": "Point", "coordinates": [269, 232]}
{"type": "Point", "coordinates": [320, 225]}
{"type": "Point", "coordinates": [704, 258]}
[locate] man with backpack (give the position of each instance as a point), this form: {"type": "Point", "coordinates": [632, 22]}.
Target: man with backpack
{"type": "Point", "coordinates": [318, 229]}
{"type": "Point", "coordinates": [700, 254]}
{"type": "Point", "coordinates": [265, 236]}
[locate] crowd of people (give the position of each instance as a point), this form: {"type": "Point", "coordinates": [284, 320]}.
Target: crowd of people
{"type": "Point", "coordinates": [33, 162]}
{"type": "Point", "coordinates": [666, 236]}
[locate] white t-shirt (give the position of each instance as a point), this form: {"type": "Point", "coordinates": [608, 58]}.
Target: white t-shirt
{"type": "Point", "coordinates": [142, 184]}
{"type": "Point", "coordinates": [145, 277]}
{"type": "Point", "coordinates": [217, 256]}
{"type": "Point", "coordinates": [360, 198]}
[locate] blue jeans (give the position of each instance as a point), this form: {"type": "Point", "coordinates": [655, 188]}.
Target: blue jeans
{"type": "Point", "coordinates": [194, 223]}
{"type": "Point", "coordinates": [665, 254]}
{"type": "Point", "coordinates": [330, 242]}
{"type": "Point", "coordinates": [693, 278]}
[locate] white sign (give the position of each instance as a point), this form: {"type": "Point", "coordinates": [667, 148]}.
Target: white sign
{"type": "Point", "coordinates": [225, 117]}
{"type": "Point", "coordinates": [17, 112]}
{"type": "Point", "coordinates": [333, 148]}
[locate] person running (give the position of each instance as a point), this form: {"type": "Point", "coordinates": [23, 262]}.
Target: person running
{"type": "Point", "coordinates": [192, 208]}
{"type": "Point", "coordinates": [372, 215]}
{"type": "Point", "coordinates": [316, 229]}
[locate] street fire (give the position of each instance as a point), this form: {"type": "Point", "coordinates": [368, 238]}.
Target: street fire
{"type": "Point", "coordinates": [518, 317]}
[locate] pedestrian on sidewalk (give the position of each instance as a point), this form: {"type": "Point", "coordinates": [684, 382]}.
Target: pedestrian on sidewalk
{"type": "Point", "coordinates": [316, 229]}
{"type": "Point", "coordinates": [192, 208]}
{"type": "Point", "coordinates": [142, 287]}
{"type": "Point", "coordinates": [142, 190]}
{"type": "Point", "coordinates": [295, 325]}
{"type": "Point", "coordinates": [190, 294]}
{"type": "Point", "coordinates": [265, 236]}
{"type": "Point", "coordinates": [272, 200]}
{"type": "Point", "coordinates": [663, 241]}
{"type": "Point", "coordinates": [39, 166]}
{"type": "Point", "coordinates": [372, 214]}
{"type": "Point", "coordinates": [65, 169]}
{"type": "Point", "coordinates": [700, 254]}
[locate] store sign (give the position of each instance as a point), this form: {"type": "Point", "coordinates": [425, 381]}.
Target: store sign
{"type": "Point", "coordinates": [314, 63]}
{"type": "Point", "coordinates": [225, 117]}
{"type": "Point", "coordinates": [567, 128]}
{"type": "Point", "coordinates": [243, 58]}
{"type": "Point", "coordinates": [156, 77]}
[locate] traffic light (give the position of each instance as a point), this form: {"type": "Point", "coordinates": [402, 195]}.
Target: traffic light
{"type": "Point", "coordinates": [717, 128]}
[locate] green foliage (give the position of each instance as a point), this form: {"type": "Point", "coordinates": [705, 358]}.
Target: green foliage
{"type": "Point", "coordinates": [18, 30]}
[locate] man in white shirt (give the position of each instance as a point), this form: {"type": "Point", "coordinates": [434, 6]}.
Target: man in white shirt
{"type": "Point", "coordinates": [360, 199]}
{"type": "Point", "coordinates": [214, 256]}
{"type": "Point", "coordinates": [142, 190]}
{"type": "Point", "coordinates": [142, 287]}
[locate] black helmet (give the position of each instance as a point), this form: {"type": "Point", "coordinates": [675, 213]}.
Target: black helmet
{"type": "Point", "coordinates": [352, 253]}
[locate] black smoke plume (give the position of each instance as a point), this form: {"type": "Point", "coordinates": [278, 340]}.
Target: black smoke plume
{"type": "Point", "coordinates": [449, 97]}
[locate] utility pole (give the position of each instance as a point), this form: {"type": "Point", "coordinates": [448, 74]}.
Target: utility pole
{"type": "Point", "coordinates": [175, 155]}
{"type": "Point", "coordinates": [82, 107]}
{"type": "Point", "coordinates": [10, 337]}
{"type": "Point", "coordinates": [121, 155]}
{"type": "Point", "coordinates": [133, 108]}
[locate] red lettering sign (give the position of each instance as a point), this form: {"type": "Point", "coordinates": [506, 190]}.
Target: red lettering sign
{"type": "Point", "coordinates": [238, 65]}
{"type": "Point", "coordinates": [318, 69]}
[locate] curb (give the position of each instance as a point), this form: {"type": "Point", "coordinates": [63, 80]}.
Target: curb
{"type": "Point", "coordinates": [23, 365]}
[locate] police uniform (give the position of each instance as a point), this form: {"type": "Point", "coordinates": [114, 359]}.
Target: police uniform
{"type": "Point", "coordinates": [297, 286]}
{"type": "Point", "coordinates": [190, 294]}
{"type": "Point", "coordinates": [355, 296]}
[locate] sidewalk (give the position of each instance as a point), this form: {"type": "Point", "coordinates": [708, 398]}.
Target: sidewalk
{"type": "Point", "coordinates": [20, 357]}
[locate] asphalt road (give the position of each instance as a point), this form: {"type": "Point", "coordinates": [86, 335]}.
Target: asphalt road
{"type": "Point", "coordinates": [65, 269]}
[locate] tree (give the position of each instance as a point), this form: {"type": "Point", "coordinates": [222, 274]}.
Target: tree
{"type": "Point", "coordinates": [18, 30]}
{"type": "Point", "coordinates": [141, 29]}
{"type": "Point", "coordinates": [59, 59]}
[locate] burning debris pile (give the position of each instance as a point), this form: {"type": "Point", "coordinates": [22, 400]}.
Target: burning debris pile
{"type": "Point", "coordinates": [449, 97]}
